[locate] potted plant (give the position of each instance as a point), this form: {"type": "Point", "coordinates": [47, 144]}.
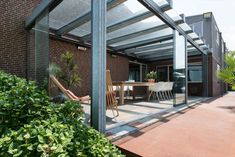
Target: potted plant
{"type": "Point", "coordinates": [151, 76]}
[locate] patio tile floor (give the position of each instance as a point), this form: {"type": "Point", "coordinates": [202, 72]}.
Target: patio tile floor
{"type": "Point", "coordinates": [207, 130]}
{"type": "Point", "coordinates": [136, 115]}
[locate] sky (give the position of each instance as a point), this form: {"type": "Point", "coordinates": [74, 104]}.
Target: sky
{"type": "Point", "coordinates": [223, 10]}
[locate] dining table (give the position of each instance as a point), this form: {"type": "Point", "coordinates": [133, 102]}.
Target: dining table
{"type": "Point", "coordinates": [122, 84]}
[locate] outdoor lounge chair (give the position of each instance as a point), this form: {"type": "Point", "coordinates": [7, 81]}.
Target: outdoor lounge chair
{"type": "Point", "coordinates": [111, 101]}
{"type": "Point", "coordinates": [68, 93]}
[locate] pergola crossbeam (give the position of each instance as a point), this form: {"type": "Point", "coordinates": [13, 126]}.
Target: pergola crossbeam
{"type": "Point", "coordinates": [143, 42]}
{"type": "Point", "coordinates": [167, 53]}
{"type": "Point", "coordinates": [153, 52]}
{"type": "Point", "coordinates": [147, 48]}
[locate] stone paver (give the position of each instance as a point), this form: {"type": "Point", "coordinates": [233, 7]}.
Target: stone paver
{"type": "Point", "coordinates": [208, 130]}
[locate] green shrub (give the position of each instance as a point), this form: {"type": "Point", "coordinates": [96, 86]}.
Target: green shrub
{"type": "Point", "coordinates": [31, 125]}
{"type": "Point", "coordinates": [53, 138]}
{"type": "Point", "coordinates": [39, 138]}
{"type": "Point", "coordinates": [20, 102]}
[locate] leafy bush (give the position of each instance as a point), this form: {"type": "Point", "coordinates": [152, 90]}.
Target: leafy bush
{"type": "Point", "coordinates": [39, 138]}
{"type": "Point", "coordinates": [30, 125]}
{"type": "Point", "coordinates": [227, 74]}
{"type": "Point", "coordinates": [53, 138]}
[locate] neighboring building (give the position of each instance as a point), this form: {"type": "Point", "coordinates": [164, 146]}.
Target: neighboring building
{"type": "Point", "coordinates": [206, 27]}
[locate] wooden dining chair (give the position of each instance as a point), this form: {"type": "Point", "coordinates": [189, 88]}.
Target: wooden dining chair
{"type": "Point", "coordinates": [111, 102]}
{"type": "Point", "coordinates": [68, 93]}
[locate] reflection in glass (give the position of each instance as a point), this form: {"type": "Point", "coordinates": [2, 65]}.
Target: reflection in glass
{"type": "Point", "coordinates": [179, 69]}
{"type": "Point", "coordinates": [41, 47]}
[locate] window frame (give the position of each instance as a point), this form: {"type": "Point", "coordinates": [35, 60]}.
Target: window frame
{"type": "Point", "coordinates": [195, 64]}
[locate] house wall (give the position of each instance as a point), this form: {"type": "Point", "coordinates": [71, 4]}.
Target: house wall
{"type": "Point", "coordinates": [14, 37]}
{"type": "Point", "coordinates": [215, 58]}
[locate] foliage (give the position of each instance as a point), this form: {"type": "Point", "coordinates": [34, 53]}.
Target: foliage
{"type": "Point", "coordinates": [233, 88]}
{"type": "Point", "coordinates": [39, 138]}
{"type": "Point", "coordinates": [52, 137]}
{"type": "Point", "coordinates": [228, 73]}
{"type": "Point", "coordinates": [33, 126]}
{"type": "Point", "coordinates": [70, 76]}
{"type": "Point", "coordinates": [20, 102]}
{"type": "Point", "coordinates": [151, 75]}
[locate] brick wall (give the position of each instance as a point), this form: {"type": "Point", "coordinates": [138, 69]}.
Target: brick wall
{"type": "Point", "coordinates": [13, 42]}
{"type": "Point", "coordinates": [118, 65]}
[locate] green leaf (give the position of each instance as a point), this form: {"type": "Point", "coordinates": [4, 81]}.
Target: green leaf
{"type": "Point", "coordinates": [27, 136]}
{"type": "Point", "coordinates": [41, 139]}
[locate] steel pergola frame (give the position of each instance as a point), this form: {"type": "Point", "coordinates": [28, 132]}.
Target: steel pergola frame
{"type": "Point", "coordinates": [139, 49]}
{"type": "Point", "coordinates": [154, 8]}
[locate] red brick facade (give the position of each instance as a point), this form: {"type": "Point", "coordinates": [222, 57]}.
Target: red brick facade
{"type": "Point", "coordinates": [13, 42]}
{"type": "Point", "coordinates": [118, 65]}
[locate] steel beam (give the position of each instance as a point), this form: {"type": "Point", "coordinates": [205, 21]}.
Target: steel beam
{"type": "Point", "coordinates": [161, 57]}
{"type": "Point", "coordinates": [168, 53]}
{"type": "Point", "coordinates": [154, 8]}
{"type": "Point", "coordinates": [147, 48]}
{"type": "Point", "coordinates": [45, 4]}
{"type": "Point", "coordinates": [150, 53]}
{"type": "Point", "coordinates": [139, 33]}
{"type": "Point", "coordinates": [165, 57]}
{"type": "Point", "coordinates": [123, 24]}
{"type": "Point", "coordinates": [98, 96]}
{"type": "Point", "coordinates": [190, 46]}
{"type": "Point", "coordinates": [85, 18]}
{"type": "Point", "coordinates": [143, 42]}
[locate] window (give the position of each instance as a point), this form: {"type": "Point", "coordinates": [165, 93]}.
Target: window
{"type": "Point", "coordinates": [195, 73]}
{"type": "Point", "coordinates": [137, 71]}
{"type": "Point", "coordinates": [217, 35]}
{"type": "Point", "coordinates": [197, 28]}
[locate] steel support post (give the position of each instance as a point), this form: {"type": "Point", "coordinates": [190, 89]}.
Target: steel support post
{"type": "Point", "coordinates": [98, 106]}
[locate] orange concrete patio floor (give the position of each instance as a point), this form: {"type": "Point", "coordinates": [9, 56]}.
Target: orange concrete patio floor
{"type": "Point", "coordinates": [206, 130]}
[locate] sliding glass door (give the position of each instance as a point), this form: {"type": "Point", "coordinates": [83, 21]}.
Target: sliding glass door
{"type": "Point", "coordinates": [180, 66]}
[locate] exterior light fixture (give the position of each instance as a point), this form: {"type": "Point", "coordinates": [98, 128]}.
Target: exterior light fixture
{"type": "Point", "coordinates": [82, 48]}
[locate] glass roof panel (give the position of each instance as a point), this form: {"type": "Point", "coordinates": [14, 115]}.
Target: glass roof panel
{"type": "Point", "coordinates": [139, 26]}
{"type": "Point", "coordinates": [157, 34]}
{"type": "Point", "coordinates": [67, 11]}
{"type": "Point", "coordinates": [124, 11]}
